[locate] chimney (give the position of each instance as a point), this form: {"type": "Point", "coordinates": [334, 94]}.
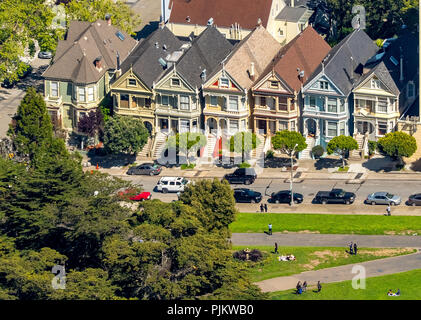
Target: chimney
{"type": "Point", "coordinates": [259, 22]}
{"type": "Point", "coordinates": [252, 71]}
{"type": "Point", "coordinates": [292, 3]}
{"type": "Point", "coordinates": [98, 63]}
{"type": "Point", "coordinates": [401, 66]}
{"type": "Point", "coordinates": [108, 19]}
{"type": "Point", "coordinates": [118, 72]}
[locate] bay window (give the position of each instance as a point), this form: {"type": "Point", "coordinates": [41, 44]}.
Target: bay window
{"type": "Point", "coordinates": [233, 103]}
{"type": "Point", "coordinates": [81, 92]}
{"type": "Point", "coordinates": [90, 94]}
{"type": "Point", "coordinates": [54, 89]}
{"type": "Point", "coordinates": [332, 129]}
{"type": "Point", "coordinates": [332, 105]}
{"type": "Point", "coordinates": [184, 103]}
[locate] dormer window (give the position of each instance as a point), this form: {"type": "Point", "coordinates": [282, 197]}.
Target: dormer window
{"type": "Point", "coordinates": [375, 84]}
{"type": "Point", "coordinates": [132, 82]}
{"type": "Point", "coordinates": [324, 85]}
{"type": "Point", "coordinates": [274, 84]}
{"type": "Point", "coordinates": [224, 82]}
{"type": "Point", "coordinates": [175, 82]}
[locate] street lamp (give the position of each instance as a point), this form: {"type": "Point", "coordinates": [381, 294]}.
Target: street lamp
{"type": "Point", "coordinates": [290, 180]}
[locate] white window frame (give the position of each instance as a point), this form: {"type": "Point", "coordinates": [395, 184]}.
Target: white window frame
{"type": "Point", "coordinates": [184, 103]}
{"type": "Point", "coordinates": [175, 85]}
{"type": "Point", "coordinates": [321, 85]}
{"type": "Point", "coordinates": [233, 98]}
{"type": "Point", "coordinates": [327, 128]}
{"type": "Point", "coordinates": [79, 90]}
{"type": "Point", "coordinates": [375, 84]}
{"type": "Point", "coordinates": [91, 94]}
{"type": "Point", "coordinates": [221, 80]}
{"type": "Point", "coordinates": [336, 105]}
{"type": "Point", "coordinates": [162, 100]}
{"type": "Point", "coordinates": [131, 85]}
{"type": "Point", "coordinates": [214, 97]}
{"type": "Point", "coordinates": [378, 106]}
{"type": "Point", "coordinates": [51, 88]}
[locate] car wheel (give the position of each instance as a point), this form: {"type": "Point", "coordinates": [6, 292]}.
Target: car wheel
{"type": "Point", "coordinates": [296, 202]}
{"type": "Point", "coordinates": [165, 190]}
{"type": "Point", "coordinates": [393, 204]}
{"type": "Point", "coordinates": [247, 182]}
{"type": "Point", "coordinates": [347, 202]}
{"type": "Point", "coordinates": [277, 201]}
{"type": "Point", "coordinates": [413, 204]}
{"type": "Point", "coordinates": [373, 203]}
{"type": "Point", "coordinates": [324, 201]}
{"type": "Point", "coordinates": [252, 201]}
{"type": "Point", "coordinates": [151, 173]}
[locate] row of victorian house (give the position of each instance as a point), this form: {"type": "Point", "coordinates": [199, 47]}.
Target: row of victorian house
{"type": "Point", "coordinates": [216, 84]}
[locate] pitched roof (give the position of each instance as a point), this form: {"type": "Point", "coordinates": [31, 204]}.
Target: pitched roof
{"type": "Point", "coordinates": [383, 74]}
{"type": "Point", "coordinates": [86, 42]}
{"type": "Point", "coordinates": [144, 58]}
{"type": "Point", "coordinates": [224, 12]}
{"type": "Point", "coordinates": [206, 52]}
{"type": "Point", "coordinates": [345, 59]}
{"type": "Point", "coordinates": [292, 14]}
{"type": "Point", "coordinates": [305, 52]}
{"type": "Point", "coordinates": [259, 47]}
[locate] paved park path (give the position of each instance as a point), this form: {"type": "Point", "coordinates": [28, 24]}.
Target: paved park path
{"type": "Point", "coordinates": [373, 268]}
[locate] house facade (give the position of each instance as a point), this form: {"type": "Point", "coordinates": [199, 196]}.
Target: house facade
{"type": "Point", "coordinates": [327, 95]}
{"type": "Point", "coordinates": [83, 67]}
{"type": "Point", "coordinates": [276, 96]}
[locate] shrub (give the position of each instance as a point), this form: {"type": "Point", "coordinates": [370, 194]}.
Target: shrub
{"type": "Point", "coordinates": [254, 255]}
{"type": "Point", "coordinates": [187, 166]}
{"type": "Point", "coordinates": [372, 147]}
{"type": "Point", "coordinates": [317, 151]}
{"type": "Point", "coordinates": [244, 165]}
{"type": "Point", "coordinates": [269, 154]}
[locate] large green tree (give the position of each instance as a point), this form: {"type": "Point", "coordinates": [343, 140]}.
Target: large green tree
{"type": "Point", "coordinates": [342, 145]}
{"type": "Point", "coordinates": [289, 142]}
{"type": "Point", "coordinates": [124, 134]}
{"type": "Point", "coordinates": [398, 144]}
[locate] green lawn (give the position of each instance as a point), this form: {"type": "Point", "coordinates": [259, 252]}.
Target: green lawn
{"type": "Point", "coordinates": [310, 258]}
{"type": "Point", "coordinates": [327, 223]}
{"type": "Point", "coordinates": [376, 289]}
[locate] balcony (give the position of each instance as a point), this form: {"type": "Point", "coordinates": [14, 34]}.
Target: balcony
{"type": "Point", "coordinates": [53, 102]}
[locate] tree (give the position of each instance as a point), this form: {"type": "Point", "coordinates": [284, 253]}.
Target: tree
{"type": "Point", "coordinates": [398, 144]}
{"type": "Point", "coordinates": [243, 142]}
{"type": "Point", "coordinates": [123, 134]}
{"type": "Point", "coordinates": [31, 125]}
{"type": "Point", "coordinates": [91, 124]}
{"type": "Point", "coordinates": [289, 142]}
{"type": "Point", "coordinates": [187, 142]}
{"type": "Point", "coordinates": [91, 10]}
{"type": "Point", "coordinates": [342, 145]}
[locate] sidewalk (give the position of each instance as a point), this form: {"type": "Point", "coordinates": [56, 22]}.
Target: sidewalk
{"type": "Point", "coordinates": [373, 268]}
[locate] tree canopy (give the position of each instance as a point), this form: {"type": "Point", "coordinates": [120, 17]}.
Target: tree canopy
{"type": "Point", "coordinates": [341, 145]}
{"type": "Point", "coordinates": [289, 142]}
{"type": "Point", "coordinates": [398, 144]}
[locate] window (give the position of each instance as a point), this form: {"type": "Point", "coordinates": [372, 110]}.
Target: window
{"type": "Point", "coordinates": [313, 102]}
{"type": "Point", "coordinates": [213, 100]}
{"type": "Point", "coordinates": [184, 103]}
{"type": "Point", "coordinates": [243, 124]}
{"type": "Point", "coordinates": [120, 35]}
{"type": "Point", "coordinates": [292, 105]}
{"type": "Point", "coordinates": [175, 82]}
{"type": "Point", "coordinates": [147, 102]}
{"type": "Point", "coordinates": [332, 105]}
{"type": "Point", "coordinates": [274, 84]}
{"type": "Point", "coordinates": [324, 85]}
{"type": "Point", "coordinates": [282, 104]}
{"type": "Point", "coordinates": [224, 82]}
{"type": "Point", "coordinates": [375, 84]}
{"type": "Point", "coordinates": [283, 125]}
{"type": "Point", "coordinates": [165, 100]}
{"type": "Point", "coordinates": [332, 129]}
{"type": "Point", "coordinates": [54, 89]}
{"type": "Point", "coordinates": [382, 105]}
{"type": "Point", "coordinates": [234, 125]}
{"type": "Point", "coordinates": [281, 32]}
{"type": "Point", "coordinates": [342, 128]}
{"type": "Point", "coordinates": [411, 90]}
{"type": "Point", "coordinates": [263, 101]}
{"type": "Point", "coordinates": [382, 128]}
{"type": "Point", "coordinates": [81, 92]}
{"type": "Point", "coordinates": [90, 94]}
{"type": "Point", "coordinates": [233, 103]}
{"type": "Point", "coordinates": [132, 82]}
{"type": "Point", "coordinates": [292, 125]}
{"type": "Point", "coordinates": [124, 100]}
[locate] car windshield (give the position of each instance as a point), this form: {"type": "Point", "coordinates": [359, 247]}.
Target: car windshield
{"type": "Point", "coordinates": [184, 181]}
{"type": "Point", "coordinates": [388, 195]}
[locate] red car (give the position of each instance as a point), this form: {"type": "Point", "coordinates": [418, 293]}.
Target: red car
{"type": "Point", "coordinates": [142, 196]}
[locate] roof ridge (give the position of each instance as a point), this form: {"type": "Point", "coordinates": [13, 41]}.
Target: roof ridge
{"type": "Point", "coordinates": [340, 45]}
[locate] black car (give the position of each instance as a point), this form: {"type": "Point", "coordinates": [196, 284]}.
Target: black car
{"type": "Point", "coordinates": [247, 195]}
{"type": "Point", "coordinates": [146, 169]}
{"type": "Point", "coordinates": [242, 175]}
{"type": "Point", "coordinates": [284, 196]}
{"type": "Point", "coordinates": [335, 196]}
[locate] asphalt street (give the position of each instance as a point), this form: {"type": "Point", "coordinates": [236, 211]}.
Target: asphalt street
{"type": "Point", "coordinates": [309, 188]}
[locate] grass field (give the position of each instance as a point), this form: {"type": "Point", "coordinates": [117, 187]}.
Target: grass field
{"type": "Point", "coordinates": [327, 223]}
{"type": "Point", "coordinates": [409, 284]}
{"type": "Point", "coordinates": [310, 258]}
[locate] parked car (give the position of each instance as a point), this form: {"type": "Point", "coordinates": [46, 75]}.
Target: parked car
{"type": "Point", "coordinates": [242, 175]}
{"type": "Point", "coordinates": [284, 196]}
{"type": "Point", "coordinates": [145, 168]}
{"type": "Point", "coordinates": [172, 184]}
{"type": "Point", "coordinates": [45, 55]}
{"type": "Point", "coordinates": [335, 196]}
{"type": "Point", "coordinates": [142, 196]}
{"type": "Point", "coordinates": [414, 200]}
{"type": "Point", "coordinates": [383, 198]}
{"type": "Point", "coordinates": [247, 195]}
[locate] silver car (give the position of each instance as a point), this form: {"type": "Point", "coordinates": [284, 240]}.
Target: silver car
{"type": "Point", "coordinates": [45, 55]}
{"type": "Point", "coordinates": [383, 198]}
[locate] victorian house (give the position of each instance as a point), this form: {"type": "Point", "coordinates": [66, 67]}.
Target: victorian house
{"type": "Point", "coordinates": [276, 95]}
{"type": "Point", "coordinates": [83, 67]}
{"type": "Point", "coordinates": [177, 93]}
{"type": "Point", "coordinates": [132, 91]}
{"type": "Point", "coordinates": [226, 91]}
{"type": "Point", "coordinates": [327, 95]}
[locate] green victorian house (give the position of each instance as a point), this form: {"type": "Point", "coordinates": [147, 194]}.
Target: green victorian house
{"type": "Point", "coordinates": [85, 63]}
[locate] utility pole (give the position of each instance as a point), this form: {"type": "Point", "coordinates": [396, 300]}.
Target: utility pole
{"type": "Point", "coordinates": [290, 180]}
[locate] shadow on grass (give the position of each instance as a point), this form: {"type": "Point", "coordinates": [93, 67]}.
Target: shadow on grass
{"type": "Point", "coordinates": [416, 165]}
{"type": "Point", "coordinates": [278, 162]}
{"type": "Point", "coordinates": [325, 163]}
{"type": "Point", "coordinates": [385, 164]}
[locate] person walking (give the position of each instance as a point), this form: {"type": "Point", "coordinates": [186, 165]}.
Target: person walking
{"type": "Point", "coordinates": [351, 248]}
{"type": "Point", "coordinates": [298, 287]}
{"type": "Point", "coordinates": [266, 207]}
{"type": "Point", "coordinates": [388, 210]}
{"type": "Point", "coordinates": [276, 247]}
{"type": "Point", "coordinates": [355, 248]}
{"type": "Point", "coordinates": [319, 287]}
{"type": "Point", "coordinates": [261, 208]}
{"type": "Point", "coordinates": [305, 286]}
{"type": "Point", "coordinates": [270, 229]}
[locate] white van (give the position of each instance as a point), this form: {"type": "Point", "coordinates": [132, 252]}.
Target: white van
{"type": "Point", "coordinates": [172, 184]}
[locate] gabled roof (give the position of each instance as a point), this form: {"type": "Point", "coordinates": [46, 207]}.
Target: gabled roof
{"type": "Point", "coordinates": [383, 74]}
{"type": "Point", "coordinates": [293, 14]}
{"type": "Point", "coordinates": [206, 53]}
{"type": "Point", "coordinates": [345, 59]}
{"type": "Point", "coordinates": [224, 12]}
{"type": "Point", "coordinates": [259, 47]}
{"type": "Point", "coordinates": [304, 52]}
{"type": "Point", "coordinates": [144, 59]}
{"type": "Point", "coordinates": [86, 42]}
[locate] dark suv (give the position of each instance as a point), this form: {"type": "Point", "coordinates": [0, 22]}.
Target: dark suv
{"type": "Point", "coordinates": [242, 175]}
{"type": "Point", "coordinates": [247, 195]}
{"type": "Point", "coordinates": [414, 200]}
{"type": "Point", "coordinates": [284, 196]}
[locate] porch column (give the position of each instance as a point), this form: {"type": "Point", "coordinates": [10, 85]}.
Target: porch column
{"type": "Point", "coordinates": [118, 100]}
{"type": "Point", "coordinates": [130, 101]}
{"type": "Point", "coordinates": [277, 103]}
{"type": "Point", "coordinates": [255, 125]}
{"type": "Point", "coordinates": [169, 125]}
